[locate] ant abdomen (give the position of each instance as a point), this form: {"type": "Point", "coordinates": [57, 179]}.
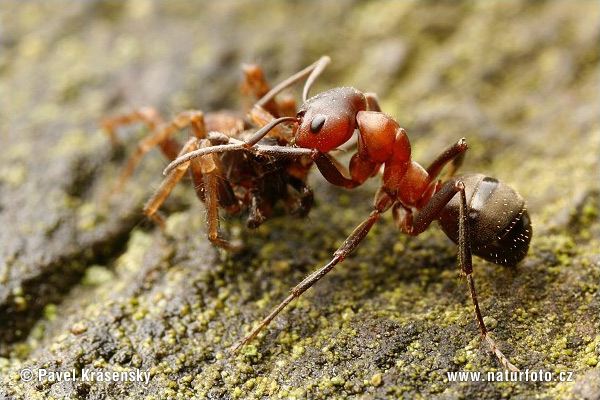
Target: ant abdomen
{"type": "Point", "coordinates": [500, 227]}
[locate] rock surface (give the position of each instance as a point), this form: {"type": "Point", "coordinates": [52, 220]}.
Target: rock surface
{"type": "Point", "coordinates": [88, 283]}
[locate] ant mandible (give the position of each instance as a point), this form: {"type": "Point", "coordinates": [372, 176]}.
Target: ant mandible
{"type": "Point", "coordinates": [482, 215]}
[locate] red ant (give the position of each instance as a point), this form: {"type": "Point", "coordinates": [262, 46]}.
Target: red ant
{"type": "Point", "coordinates": [482, 215]}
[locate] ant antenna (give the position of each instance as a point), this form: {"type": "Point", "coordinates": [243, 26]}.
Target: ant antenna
{"type": "Point", "coordinates": [313, 71]}
{"type": "Point", "coordinates": [251, 141]}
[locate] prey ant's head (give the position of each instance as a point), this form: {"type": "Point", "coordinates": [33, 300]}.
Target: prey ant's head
{"type": "Point", "coordinates": [328, 119]}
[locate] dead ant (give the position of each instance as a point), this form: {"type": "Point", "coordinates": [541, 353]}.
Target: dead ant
{"type": "Point", "coordinates": [234, 181]}
{"type": "Point", "coordinates": [487, 218]}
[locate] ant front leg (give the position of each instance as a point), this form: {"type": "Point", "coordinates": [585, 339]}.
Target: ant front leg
{"type": "Point", "coordinates": [414, 225]}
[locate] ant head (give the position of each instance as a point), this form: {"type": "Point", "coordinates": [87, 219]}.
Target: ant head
{"type": "Point", "coordinates": [328, 119]}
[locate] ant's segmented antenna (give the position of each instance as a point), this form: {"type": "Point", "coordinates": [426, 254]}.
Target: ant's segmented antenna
{"type": "Point", "coordinates": [319, 67]}
{"type": "Point", "coordinates": [255, 138]}
{"type": "Point", "coordinates": [313, 70]}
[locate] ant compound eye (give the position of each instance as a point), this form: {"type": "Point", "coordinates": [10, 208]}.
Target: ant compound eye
{"type": "Point", "coordinates": [317, 123]}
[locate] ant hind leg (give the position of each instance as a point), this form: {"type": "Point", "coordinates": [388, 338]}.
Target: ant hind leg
{"type": "Point", "coordinates": [466, 265]}
{"type": "Point", "coordinates": [455, 154]}
{"type": "Point", "coordinates": [414, 225]}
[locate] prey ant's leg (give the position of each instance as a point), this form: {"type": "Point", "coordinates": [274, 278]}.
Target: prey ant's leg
{"type": "Point", "coordinates": [355, 238]}
{"type": "Point", "coordinates": [259, 210]}
{"type": "Point", "coordinates": [162, 137]}
{"type": "Point", "coordinates": [225, 193]}
{"type": "Point", "coordinates": [211, 187]}
{"type": "Point", "coordinates": [255, 82]}
{"type": "Point", "coordinates": [166, 187]}
{"type": "Point", "coordinates": [214, 190]}
{"type": "Point", "coordinates": [414, 225]}
{"type": "Point", "coordinates": [304, 204]}
{"type": "Point", "coordinates": [454, 153]}
{"type": "Point", "coordinates": [149, 116]}
{"type": "Point", "coordinates": [256, 85]}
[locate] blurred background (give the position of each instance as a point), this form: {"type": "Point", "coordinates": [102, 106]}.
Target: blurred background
{"type": "Point", "coordinates": [85, 283]}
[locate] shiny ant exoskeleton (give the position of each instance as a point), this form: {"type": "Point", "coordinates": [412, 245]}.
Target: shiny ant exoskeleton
{"type": "Point", "coordinates": [482, 215]}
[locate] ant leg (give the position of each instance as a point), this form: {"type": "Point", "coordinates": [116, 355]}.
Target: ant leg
{"type": "Point", "coordinates": [329, 167]}
{"type": "Point", "coordinates": [417, 224]}
{"type": "Point", "coordinates": [255, 84]}
{"type": "Point", "coordinates": [327, 164]}
{"type": "Point", "coordinates": [225, 193]}
{"type": "Point", "coordinates": [332, 171]}
{"type": "Point", "coordinates": [214, 190]}
{"type": "Point", "coordinates": [465, 261]}
{"type": "Point", "coordinates": [166, 187]}
{"type": "Point", "coordinates": [260, 209]}
{"type": "Point", "coordinates": [205, 173]}
{"type": "Point", "coordinates": [162, 138]}
{"type": "Point", "coordinates": [454, 153]}
{"type": "Point", "coordinates": [211, 187]}
{"type": "Point", "coordinates": [302, 206]}
{"type": "Point", "coordinates": [355, 238]}
{"type": "Point", "coordinates": [147, 115]}
{"type": "Point", "coordinates": [372, 102]}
